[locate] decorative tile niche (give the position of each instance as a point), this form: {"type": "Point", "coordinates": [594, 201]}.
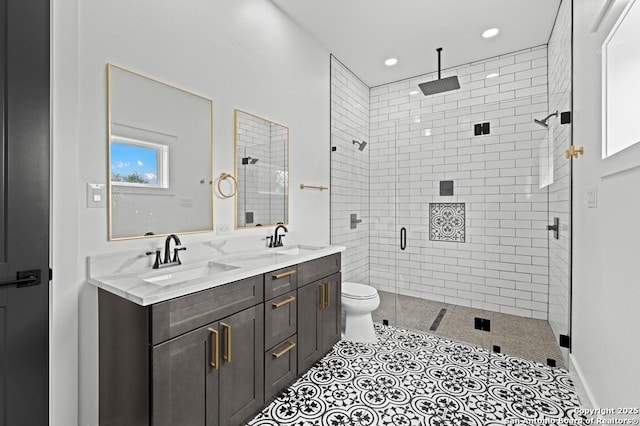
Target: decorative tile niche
{"type": "Point", "coordinates": [446, 222]}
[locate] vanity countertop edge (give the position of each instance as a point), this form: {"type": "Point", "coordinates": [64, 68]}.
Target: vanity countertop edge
{"type": "Point", "coordinates": [132, 287]}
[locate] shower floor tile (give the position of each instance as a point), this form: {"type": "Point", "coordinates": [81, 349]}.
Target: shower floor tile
{"type": "Point", "coordinates": [413, 378]}
{"type": "Point", "coordinates": [523, 337]}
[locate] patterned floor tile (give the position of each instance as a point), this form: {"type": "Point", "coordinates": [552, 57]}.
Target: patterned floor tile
{"type": "Point", "coordinates": [410, 378]}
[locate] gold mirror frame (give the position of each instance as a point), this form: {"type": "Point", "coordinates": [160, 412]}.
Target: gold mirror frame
{"type": "Point", "coordinates": [183, 202]}
{"type": "Point", "coordinates": [260, 162]}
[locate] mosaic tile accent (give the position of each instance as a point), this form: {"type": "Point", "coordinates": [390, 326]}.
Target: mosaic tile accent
{"type": "Point", "coordinates": [417, 379]}
{"type": "Point", "coordinates": [446, 222]}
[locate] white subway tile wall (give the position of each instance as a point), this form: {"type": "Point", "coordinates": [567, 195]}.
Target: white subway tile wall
{"type": "Point", "coordinates": [278, 174]}
{"type": "Point", "coordinates": [253, 141]}
{"type": "Point", "coordinates": [417, 141]}
{"type": "Point", "coordinates": [350, 170]}
{"type": "Point", "coordinates": [560, 57]}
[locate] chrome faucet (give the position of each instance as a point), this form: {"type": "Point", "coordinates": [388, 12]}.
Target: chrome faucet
{"type": "Point", "coordinates": [276, 240]}
{"type": "Point", "coordinates": [168, 261]}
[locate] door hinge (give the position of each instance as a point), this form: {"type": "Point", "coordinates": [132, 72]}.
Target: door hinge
{"type": "Point", "coordinates": [565, 341]}
{"type": "Point", "coordinates": [50, 274]}
{"type": "Point", "coordinates": [573, 152]}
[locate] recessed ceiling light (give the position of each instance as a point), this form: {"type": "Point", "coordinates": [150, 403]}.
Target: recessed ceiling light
{"type": "Point", "coordinates": [492, 75]}
{"type": "Point", "coordinates": [391, 62]}
{"type": "Point", "coordinates": [491, 32]}
{"type": "Point", "coordinates": [413, 92]}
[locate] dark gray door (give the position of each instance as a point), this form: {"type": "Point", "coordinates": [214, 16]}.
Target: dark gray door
{"type": "Point", "coordinates": [331, 314]}
{"type": "Point", "coordinates": [24, 212]}
{"type": "Point", "coordinates": [242, 365]}
{"type": "Point", "coordinates": [185, 383]}
{"type": "Point", "coordinates": [309, 325]}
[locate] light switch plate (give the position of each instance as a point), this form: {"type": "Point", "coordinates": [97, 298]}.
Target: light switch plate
{"type": "Point", "coordinates": [592, 197]}
{"type": "Point", "coordinates": [96, 195]}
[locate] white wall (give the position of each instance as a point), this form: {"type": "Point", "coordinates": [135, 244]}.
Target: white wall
{"type": "Point", "coordinates": [606, 294]}
{"type": "Point", "coordinates": [242, 54]}
{"type": "Point", "coordinates": [350, 170]}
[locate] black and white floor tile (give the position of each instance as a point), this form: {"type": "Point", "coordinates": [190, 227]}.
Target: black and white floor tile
{"type": "Point", "coordinates": [411, 378]}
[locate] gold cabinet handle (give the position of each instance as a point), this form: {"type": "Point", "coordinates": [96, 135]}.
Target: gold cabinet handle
{"type": "Point", "coordinates": [284, 274]}
{"type": "Point", "coordinates": [328, 295]}
{"type": "Point", "coordinates": [227, 354]}
{"type": "Point", "coordinates": [290, 346]}
{"type": "Point", "coordinates": [215, 347]}
{"type": "Point", "coordinates": [283, 302]}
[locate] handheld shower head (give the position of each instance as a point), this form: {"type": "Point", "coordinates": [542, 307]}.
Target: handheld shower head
{"type": "Point", "coordinates": [543, 122]}
{"type": "Point", "coordinates": [361, 144]}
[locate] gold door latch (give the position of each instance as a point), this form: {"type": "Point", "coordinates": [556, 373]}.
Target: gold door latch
{"type": "Point", "coordinates": [573, 152]}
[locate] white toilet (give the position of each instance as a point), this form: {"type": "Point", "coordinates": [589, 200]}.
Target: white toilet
{"type": "Point", "coordinates": [358, 301]}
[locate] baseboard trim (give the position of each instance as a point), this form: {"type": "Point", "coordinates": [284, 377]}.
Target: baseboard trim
{"type": "Point", "coordinates": [581, 383]}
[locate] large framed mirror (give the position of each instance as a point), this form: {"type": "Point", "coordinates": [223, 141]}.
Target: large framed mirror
{"type": "Point", "coordinates": [160, 157]}
{"type": "Point", "coordinates": [262, 171]}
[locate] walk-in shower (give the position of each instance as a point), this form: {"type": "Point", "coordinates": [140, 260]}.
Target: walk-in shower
{"type": "Point", "coordinates": [543, 122]}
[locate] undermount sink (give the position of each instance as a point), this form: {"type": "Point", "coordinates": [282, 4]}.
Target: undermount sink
{"type": "Point", "coordinates": [169, 277]}
{"type": "Point", "coordinates": [299, 249]}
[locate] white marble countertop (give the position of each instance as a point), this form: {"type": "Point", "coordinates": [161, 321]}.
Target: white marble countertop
{"type": "Point", "coordinates": [145, 286]}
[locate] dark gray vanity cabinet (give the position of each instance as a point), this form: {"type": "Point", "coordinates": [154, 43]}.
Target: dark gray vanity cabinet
{"type": "Point", "coordinates": [193, 360]}
{"type": "Point", "coordinates": [210, 376]}
{"type": "Point", "coordinates": [213, 358]}
{"type": "Point", "coordinates": [241, 387]}
{"type": "Point", "coordinates": [280, 328]}
{"type": "Point", "coordinates": [319, 309]}
{"type": "Point", "coordinates": [185, 386]}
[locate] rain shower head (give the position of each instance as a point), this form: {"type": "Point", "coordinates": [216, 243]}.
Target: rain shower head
{"type": "Point", "coordinates": [543, 122]}
{"type": "Point", "coordinates": [249, 160]}
{"type": "Point", "coordinates": [361, 144]}
{"type": "Point", "coordinates": [441, 84]}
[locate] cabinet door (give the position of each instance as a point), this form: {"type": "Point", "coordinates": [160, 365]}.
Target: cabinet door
{"type": "Point", "coordinates": [309, 325]}
{"type": "Point", "coordinates": [332, 314]}
{"type": "Point", "coordinates": [242, 365]}
{"type": "Point", "coordinates": [184, 383]}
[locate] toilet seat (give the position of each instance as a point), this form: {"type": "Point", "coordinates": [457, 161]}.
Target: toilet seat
{"type": "Point", "coordinates": [358, 291]}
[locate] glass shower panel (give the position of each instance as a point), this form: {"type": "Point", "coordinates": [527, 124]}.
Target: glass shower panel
{"type": "Point", "coordinates": [383, 244]}
{"type": "Point", "coordinates": [472, 256]}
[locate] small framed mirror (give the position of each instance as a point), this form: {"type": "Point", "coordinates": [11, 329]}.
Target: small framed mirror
{"type": "Point", "coordinates": [262, 171]}
{"type": "Point", "coordinates": [160, 157]}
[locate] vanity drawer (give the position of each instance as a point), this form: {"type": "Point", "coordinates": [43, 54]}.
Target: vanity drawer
{"type": "Point", "coordinates": [280, 367]}
{"type": "Point", "coordinates": [180, 315]}
{"type": "Point", "coordinates": [316, 269]}
{"type": "Point", "coordinates": [280, 282]}
{"type": "Point", "coordinates": [280, 318]}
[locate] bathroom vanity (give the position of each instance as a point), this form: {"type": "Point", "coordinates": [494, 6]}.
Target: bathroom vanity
{"type": "Point", "coordinates": [217, 355]}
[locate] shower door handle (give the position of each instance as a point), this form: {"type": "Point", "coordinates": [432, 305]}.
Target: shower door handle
{"type": "Point", "coordinates": [403, 238]}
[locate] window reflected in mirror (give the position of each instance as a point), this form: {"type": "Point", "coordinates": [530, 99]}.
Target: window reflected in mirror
{"type": "Point", "coordinates": [262, 170]}
{"type": "Point", "coordinates": [139, 163]}
{"type": "Point", "coordinates": [160, 158]}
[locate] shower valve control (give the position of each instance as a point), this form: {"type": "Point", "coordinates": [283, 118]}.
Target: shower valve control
{"type": "Point", "coordinates": [354, 221]}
